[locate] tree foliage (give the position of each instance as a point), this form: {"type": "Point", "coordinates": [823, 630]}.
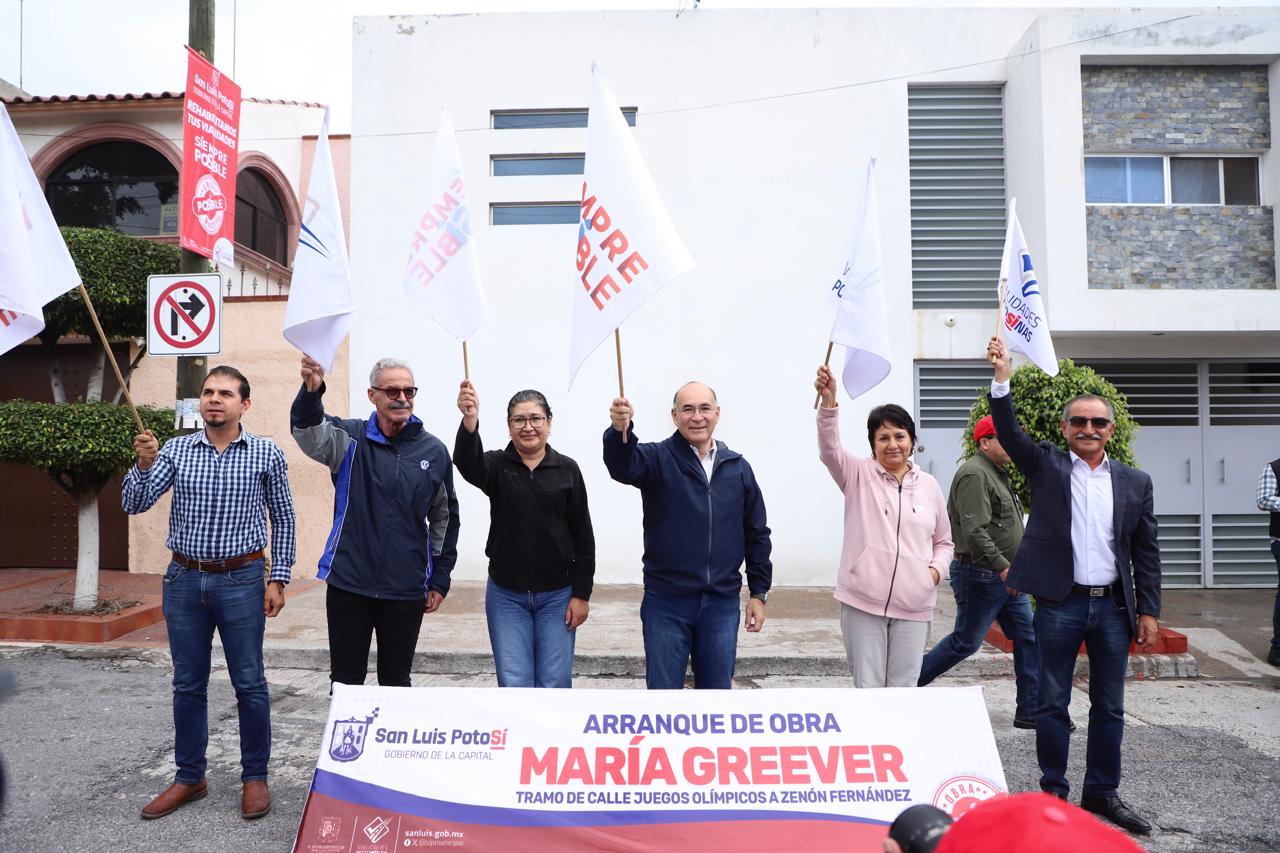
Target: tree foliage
{"type": "Point", "coordinates": [79, 445]}
{"type": "Point", "coordinates": [1039, 401]}
{"type": "Point", "coordinates": [114, 268]}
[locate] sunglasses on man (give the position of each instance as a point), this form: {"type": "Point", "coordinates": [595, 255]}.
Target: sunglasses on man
{"type": "Point", "coordinates": [1080, 422]}
{"type": "Point", "coordinates": [394, 393]}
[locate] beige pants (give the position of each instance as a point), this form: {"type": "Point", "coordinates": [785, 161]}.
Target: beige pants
{"type": "Point", "coordinates": [882, 652]}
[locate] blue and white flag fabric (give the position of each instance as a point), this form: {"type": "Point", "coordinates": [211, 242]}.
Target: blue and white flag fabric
{"type": "Point", "coordinates": [320, 309]}
{"type": "Point", "coordinates": [35, 266]}
{"type": "Point", "coordinates": [443, 275]}
{"type": "Point", "coordinates": [1022, 316]}
{"type": "Point", "coordinates": [862, 324]}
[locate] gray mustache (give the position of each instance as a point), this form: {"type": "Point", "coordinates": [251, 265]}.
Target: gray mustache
{"type": "Point", "coordinates": [401, 404]}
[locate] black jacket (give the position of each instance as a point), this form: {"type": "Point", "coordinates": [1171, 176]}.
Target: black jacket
{"type": "Point", "coordinates": [540, 535]}
{"type": "Point", "coordinates": [1044, 564]}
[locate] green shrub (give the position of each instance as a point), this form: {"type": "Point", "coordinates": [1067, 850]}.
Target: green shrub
{"type": "Point", "coordinates": [114, 268]}
{"type": "Point", "coordinates": [1039, 401]}
{"type": "Point", "coordinates": [79, 445]}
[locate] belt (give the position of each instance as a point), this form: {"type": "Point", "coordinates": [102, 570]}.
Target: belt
{"type": "Point", "coordinates": [218, 565]}
{"type": "Point", "coordinates": [1094, 591]}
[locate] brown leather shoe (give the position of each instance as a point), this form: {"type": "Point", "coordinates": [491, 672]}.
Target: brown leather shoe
{"type": "Point", "coordinates": [177, 794]}
{"type": "Point", "coordinates": [255, 800]}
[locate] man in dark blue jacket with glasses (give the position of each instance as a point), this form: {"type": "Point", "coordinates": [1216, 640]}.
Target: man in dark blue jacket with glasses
{"type": "Point", "coordinates": [703, 517]}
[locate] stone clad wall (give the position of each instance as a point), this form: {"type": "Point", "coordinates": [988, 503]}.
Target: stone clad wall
{"type": "Point", "coordinates": [1149, 109]}
{"type": "Point", "coordinates": [1167, 109]}
{"type": "Point", "coordinates": [1181, 248]}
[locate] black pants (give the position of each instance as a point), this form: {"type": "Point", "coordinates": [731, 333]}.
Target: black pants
{"type": "Point", "coordinates": [353, 619]}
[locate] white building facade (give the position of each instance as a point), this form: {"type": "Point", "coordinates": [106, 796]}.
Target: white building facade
{"type": "Point", "coordinates": [1138, 145]}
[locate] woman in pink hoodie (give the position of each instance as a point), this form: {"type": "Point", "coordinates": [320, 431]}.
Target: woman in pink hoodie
{"type": "Point", "coordinates": [897, 543]}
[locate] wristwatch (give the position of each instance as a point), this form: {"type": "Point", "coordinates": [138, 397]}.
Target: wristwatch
{"type": "Point", "coordinates": [762, 597]}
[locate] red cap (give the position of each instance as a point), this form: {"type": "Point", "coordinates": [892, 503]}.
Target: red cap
{"type": "Point", "coordinates": [984, 428]}
{"type": "Point", "coordinates": [1032, 823]}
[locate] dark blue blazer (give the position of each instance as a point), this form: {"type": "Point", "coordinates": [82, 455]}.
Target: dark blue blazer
{"type": "Point", "coordinates": [1044, 564]}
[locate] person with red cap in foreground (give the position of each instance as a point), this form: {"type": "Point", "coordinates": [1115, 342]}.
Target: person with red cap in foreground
{"type": "Point", "coordinates": [986, 524]}
{"type": "Point", "coordinates": [1024, 823]}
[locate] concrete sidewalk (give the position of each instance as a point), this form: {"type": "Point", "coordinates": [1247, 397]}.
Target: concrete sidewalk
{"type": "Point", "coordinates": [1229, 633]}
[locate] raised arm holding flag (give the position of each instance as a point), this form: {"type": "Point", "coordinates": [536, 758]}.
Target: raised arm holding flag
{"type": "Point", "coordinates": [443, 275]}
{"type": "Point", "coordinates": [320, 309]}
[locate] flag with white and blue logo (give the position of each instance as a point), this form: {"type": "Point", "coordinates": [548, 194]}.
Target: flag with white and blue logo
{"type": "Point", "coordinates": [1023, 320]}
{"type": "Point", "coordinates": [320, 309]}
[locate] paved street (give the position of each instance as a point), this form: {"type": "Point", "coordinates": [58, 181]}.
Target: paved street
{"type": "Point", "coordinates": [87, 741]}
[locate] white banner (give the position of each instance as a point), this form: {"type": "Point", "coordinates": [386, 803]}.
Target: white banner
{"type": "Point", "coordinates": [35, 266]}
{"type": "Point", "coordinates": [526, 769]}
{"type": "Point", "coordinates": [1024, 321]}
{"type": "Point", "coordinates": [320, 308]}
{"type": "Point", "coordinates": [628, 247]}
{"type": "Point", "coordinates": [444, 268]}
{"type": "Point", "coordinates": [862, 324]}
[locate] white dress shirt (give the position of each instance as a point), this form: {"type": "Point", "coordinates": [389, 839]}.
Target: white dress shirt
{"type": "Point", "coordinates": [708, 461]}
{"type": "Point", "coordinates": [1092, 519]}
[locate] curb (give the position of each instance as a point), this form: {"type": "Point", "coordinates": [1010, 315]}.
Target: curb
{"type": "Point", "coordinates": [987, 663]}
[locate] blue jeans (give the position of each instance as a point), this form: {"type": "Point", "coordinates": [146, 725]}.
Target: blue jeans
{"type": "Point", "coordinates": [981, 598]}
{"type": "Point", "coordinates": [195, 603]}
{"type": "Point", "coordinates": [1102, 624]}
{"type": "Point", "coordinates": [1275, 616]}
{"type": "Point", "coordinates": [532, 647]}
{"type": "Point", "coordinates": [702, 625]}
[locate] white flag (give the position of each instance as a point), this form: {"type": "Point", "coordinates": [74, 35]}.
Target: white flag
{"type": "Point", "coordinates": [1023, 320]}
{"type": "Point", "coordinates": [444, 268]}
{"type": "Point", "coordinates": [862, 324]}
{"type": "Point", "coordinates": [320, 309]}
{"type": "Point", "coordinates": [627, 246]}
{"type": "Point", "coordinates": [35, 266]}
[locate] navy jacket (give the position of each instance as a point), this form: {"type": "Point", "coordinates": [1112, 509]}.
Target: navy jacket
{"type": "Point", "coordinates": [1044, 564]}
{"type": "Point", "coordinates": [696, 533]}
{"type": "Point", "coordinates": [395, 516]}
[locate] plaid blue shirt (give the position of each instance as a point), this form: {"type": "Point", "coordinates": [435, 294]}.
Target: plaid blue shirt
{"type": "Point", "coordinates": [1268, 500]}
{"type": "Point", "coordinates": [219, 499]}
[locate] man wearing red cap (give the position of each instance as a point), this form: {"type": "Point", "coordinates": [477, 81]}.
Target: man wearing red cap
{"type": "Point", "coordinates": [986, 522]}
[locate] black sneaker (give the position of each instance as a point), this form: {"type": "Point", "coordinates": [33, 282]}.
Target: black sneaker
{"type": "Point", "coordinates": [1114, 810]}
{"type": "Point", "coordinates": [1273, 656]}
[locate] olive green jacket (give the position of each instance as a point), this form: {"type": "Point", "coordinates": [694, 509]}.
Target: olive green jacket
{"type": "Point", "coordinates": [986, 516]}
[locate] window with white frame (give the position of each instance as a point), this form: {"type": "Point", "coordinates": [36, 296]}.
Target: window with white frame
{"type": "Point", "coordinates": [1164, 180]}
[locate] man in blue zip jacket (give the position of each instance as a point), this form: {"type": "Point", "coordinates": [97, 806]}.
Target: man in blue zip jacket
{"type": "Point", "coordinates": [703, 516]}
{"type": "Point", "coordinates": [395, 521]}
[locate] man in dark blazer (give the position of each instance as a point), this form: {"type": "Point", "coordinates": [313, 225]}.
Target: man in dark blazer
{"type": "Point", "coordinates": [1091, 559]}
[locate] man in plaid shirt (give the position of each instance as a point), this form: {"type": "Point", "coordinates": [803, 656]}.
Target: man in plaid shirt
{"type": "Point", "coordinates": [1269, 501]}
{"type": "Point", "coordinates": [225, 482]}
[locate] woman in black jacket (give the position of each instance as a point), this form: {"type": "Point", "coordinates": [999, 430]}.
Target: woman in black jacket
{"type": "Point", "coordinates": [541, 549]}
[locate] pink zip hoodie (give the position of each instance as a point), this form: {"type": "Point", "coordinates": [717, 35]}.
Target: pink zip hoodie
{"type": "Point", "coordinates": [884, 564]}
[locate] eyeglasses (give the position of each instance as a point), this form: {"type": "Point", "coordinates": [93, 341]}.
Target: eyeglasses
{"type": "Point", "coordinates": [535, 421]}
{"type": "Point", "coordinates": [1080, 422]}
{"type": "Point", "coordinates": [706, 410]}
{"type": "Point", "coordinates": [394, 393]}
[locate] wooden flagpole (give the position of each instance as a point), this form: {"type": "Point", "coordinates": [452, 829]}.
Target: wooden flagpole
{"type": "Point", "coordinates": [617, 345]}
{"type": "Point", "coordinates": [1004, 285]}
{"type": "Point", "coordinates": [84, 294]}
{"type": "Point", "coordinates": [466, 368]}
{"type": "Point", "coordinates": [826, 362]}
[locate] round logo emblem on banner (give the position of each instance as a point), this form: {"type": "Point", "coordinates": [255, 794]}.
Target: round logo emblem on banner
{"type": "Point", "coordinates": [209, 204]}
{"type": "Point", "coordinates": [960, 793]}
